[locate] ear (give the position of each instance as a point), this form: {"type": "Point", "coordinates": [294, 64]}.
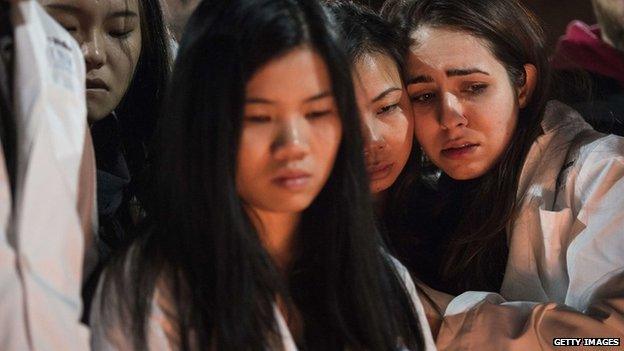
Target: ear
{"type": "Point", "coordinates": [526, 91]}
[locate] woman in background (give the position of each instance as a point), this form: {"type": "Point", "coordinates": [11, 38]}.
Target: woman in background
{"type": "Point", "coordinates": [262, 234]}
{"type": "Point", "coordinates": [528, 198]}
{"type": "Point", "coordinates": [377, 51]}
{"type": "Point", "coordinates": [126, 53]}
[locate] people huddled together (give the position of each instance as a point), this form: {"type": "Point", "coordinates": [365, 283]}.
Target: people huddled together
{"type": "Point", "coordinates": [309, 175]}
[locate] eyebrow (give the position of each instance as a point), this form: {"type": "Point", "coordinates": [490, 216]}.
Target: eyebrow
{"type": "Point", "coordinates": [123, 13]}
{"type": "Point", "coordinates": [256, 100]}
{"type": "Point", "coordinates": [385, 93]}
{"type": "Point", "coordinates": [454, 72]}
{"type": "Point", "coordinates": [464, 72]}
{"type": "Point", "coordinates": [64, 8]}
{"type": "Point", "coordinates": [76, 10]}
{"type": "Point", "coordinates": [420, 79]}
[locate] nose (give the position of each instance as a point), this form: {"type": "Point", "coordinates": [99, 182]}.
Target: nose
{"type": "Point", "coordinates": [93, 51]}
{"type": "Point", "coordinates": [451, 112]}
{"type": "Point", "coordinates": [373, 140]}
{"type": "Point", "coordinates": [291, 143]}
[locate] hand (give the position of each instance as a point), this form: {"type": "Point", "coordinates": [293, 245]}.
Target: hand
{"type": "Point", "coordinates": [435, 303]}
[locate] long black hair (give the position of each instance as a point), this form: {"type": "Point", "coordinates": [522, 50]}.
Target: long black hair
{"type": "Point", "coordinates": [474, 216]}
{"type": "Point", "coordinates": [365, 32]}
{"type": "Point", "coordinates": [130, 129]}
{"type": "Point", "coordinates": [201, 243]}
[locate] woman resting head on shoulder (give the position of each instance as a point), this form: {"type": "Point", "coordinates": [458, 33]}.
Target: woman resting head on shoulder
{"type": "Point", "coordinates": [528, 201]}
{"type": "Point", "coordinates": [262, 234]}
{"type": "Point", "coordinates": [377, 51]}
{"type": "Point", "coordinates": [125, 46]}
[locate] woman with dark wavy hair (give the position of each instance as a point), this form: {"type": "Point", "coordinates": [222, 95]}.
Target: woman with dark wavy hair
{"type": "Point", "coordinates": [524, 197]}
{"type": "Point", "coordinates": [261, 236]}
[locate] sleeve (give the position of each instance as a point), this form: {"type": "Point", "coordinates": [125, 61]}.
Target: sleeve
{"type": "Point", "coordinates": [418, 306]}
{"type": "Point", "coordinates": [87, 206]}
{"type": "Point", "coordinates": [594, 302]}
{"type": "Point", "coordinates": [110, 329]}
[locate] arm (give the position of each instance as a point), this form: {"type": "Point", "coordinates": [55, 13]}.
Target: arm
{"type": "Point", "coordinates": [111, 325]}
{"type": "Point", "coordinates": [418, 305]}
{"type": "Point", "coordinates": [594, 301]}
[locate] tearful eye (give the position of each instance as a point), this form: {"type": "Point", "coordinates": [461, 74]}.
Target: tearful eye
{"type": "Point", "coordinates": [422, 98]}
{"type": "Point", "coordinates": [477, 88]}
{"type": "Point", "coordinates": [387, 109]}
{"type": "Point", "coordinates": [257, 119]}
{"type": "Point", "coordinates": [120, 34]}
{"type": "Point", "coordinates": [317, 114]}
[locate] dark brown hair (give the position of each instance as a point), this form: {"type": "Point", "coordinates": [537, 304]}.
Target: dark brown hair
{"type": "Point", "coordinates": [474, 253]}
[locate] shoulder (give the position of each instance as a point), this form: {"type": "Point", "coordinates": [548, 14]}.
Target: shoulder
{"type": "Point", "coordinates": [598, 155]}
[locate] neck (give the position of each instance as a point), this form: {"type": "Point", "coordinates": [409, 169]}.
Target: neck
{"type": "Point", "coordinates": [379, 201]}
{"type": "Point", "coordinates": [277, 233]}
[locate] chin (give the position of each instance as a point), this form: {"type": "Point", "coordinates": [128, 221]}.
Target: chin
{"type": "Point", "coordinates": [377, 188]}
{"type": "Point", "coordinates": [465, 174]}
{"type": "Point", "coordinates": [94, 114]}
{"type": "Point", "coordinates": [291, 205]}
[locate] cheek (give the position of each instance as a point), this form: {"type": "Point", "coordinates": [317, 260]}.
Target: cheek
{"type": "Point", "coordinates": [502, 128]}
{"type": "Point", "coordinates": [326, 140]}
{"type": "Point", "coordinates": [398, 132]}
{"type": "Point", "coordinates": [251, 151]}
{"type": "Point", "coordinates": [124, 59]}
{"type": "Point", "coordinates": [424, 131]}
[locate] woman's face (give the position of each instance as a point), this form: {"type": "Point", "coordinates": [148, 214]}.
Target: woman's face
{"type": "Point", "coordinates": [386, 118]}
{"type": "Point", "coordinates": [109, 34]}
{"type": "Point", "coordinates": [465, 107]}
{"type": "Point", "coordinates": [290, 135]}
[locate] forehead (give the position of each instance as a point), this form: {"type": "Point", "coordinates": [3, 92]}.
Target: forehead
{"type": "Point", "coordinates": [296, 75]}
{"type": "Point", "coordinates": [442, 49]}
{"type": "Point", "coordinates": [92, 7]}
{"type": "Point", "coordinates": [377, 69]}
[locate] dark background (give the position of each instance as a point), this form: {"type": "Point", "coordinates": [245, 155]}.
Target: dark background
{"type": "Point", "coordinates": [554, 14]}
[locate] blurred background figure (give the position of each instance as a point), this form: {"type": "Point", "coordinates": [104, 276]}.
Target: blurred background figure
{"type": "Point", "coordinates": [177, 13]}
{"type": "Point", "coordinates": [47, 182]}
{"type": "Point", "coordinates": [125, 48]}
{"type": "Point", "coordinates": [589, 61]}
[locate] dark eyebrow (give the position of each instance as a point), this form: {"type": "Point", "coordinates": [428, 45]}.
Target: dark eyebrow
{"type": "Point", "coordinates": [256, 100]}
{"type": "Point", "coordinates": [76, 9]}
{"type": "Point", "coordinates": [319, 96]}
{"type": "Point", "coordinates": [123, 13]}
{"type": "Point", "coordinates": [420, 79]}
{"type": "Point", "coordinates": [464, 72]}
{"type": "Point", "coordinates": [385, 92]}
{"type": "Point", "coordinates": [64, 8]}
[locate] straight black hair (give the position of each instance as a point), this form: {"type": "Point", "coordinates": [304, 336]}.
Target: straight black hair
{"type": "Point", "coordinates": [135, 121]}
{"type": "Point", "coordinates": [475, 215]}
{"type": "Point", "coordinates": [366, 32]}
{"type": "Point", "coordinates": [201, 243]}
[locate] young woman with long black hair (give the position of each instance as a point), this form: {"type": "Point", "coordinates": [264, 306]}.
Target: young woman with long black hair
{"type": "Point", "coordinates": [262, 235]}
{"type": "Point", "coordinates": [377, 50]}
{"type": "Point", "coordinates": [125, 46]}
{"type": "Point", "coordinates": [526, 197]}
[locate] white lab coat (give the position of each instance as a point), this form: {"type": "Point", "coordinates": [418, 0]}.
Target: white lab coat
{"type": "Point", "coordinates": [42, 236]}
{"type": "Point", "coordinates": [565, 272]}
{"type": "Point", "coordinates": [109, 333]}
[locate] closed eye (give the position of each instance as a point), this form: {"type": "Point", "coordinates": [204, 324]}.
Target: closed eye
{"type": "Point", "coordinates": [387, 109]}
{"type": "Point", "coordinates": [476, 89]}
{"type": "Point", "coordinates": [120, 34]}
{"type": "Point", "coordinates": [258, 119]}
{"type": "Point", "coordinates": [317, 114]}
